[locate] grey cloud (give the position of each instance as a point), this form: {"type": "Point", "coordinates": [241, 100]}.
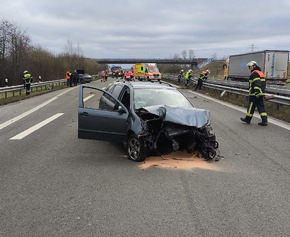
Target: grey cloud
{"type": "Point", "coordinates": [130, 28]}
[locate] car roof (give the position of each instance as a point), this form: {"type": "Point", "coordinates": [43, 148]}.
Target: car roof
{"type": "Point", "coordinates": [147, 84]}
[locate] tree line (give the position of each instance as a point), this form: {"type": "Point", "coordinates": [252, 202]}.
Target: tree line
{"type": "Point", "coordinates": [17, 54]}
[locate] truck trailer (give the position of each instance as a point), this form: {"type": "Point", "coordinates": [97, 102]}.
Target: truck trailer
{"type": "Point", "coordinates": [273, 63]}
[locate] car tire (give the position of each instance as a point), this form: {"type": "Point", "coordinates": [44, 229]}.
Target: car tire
{"type": "Point", "coordinates": [136, 149]}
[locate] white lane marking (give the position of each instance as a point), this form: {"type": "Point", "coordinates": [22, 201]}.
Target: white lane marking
{"type": "Point", "coordinates": [11, 121]}
{"type": "Point", "coordinates": [89, 97]}
{"type": "Point", "coordinates": [35, 127]}
{"type": "Point", "coordinates": [277, 122]}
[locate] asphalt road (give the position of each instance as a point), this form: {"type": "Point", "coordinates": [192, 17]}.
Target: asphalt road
{"type": "Point", "coordinates": [54, 184]}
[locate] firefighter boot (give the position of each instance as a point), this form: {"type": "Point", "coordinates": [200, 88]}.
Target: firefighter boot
{"type": "Point", "coordinates": [264, 121]}
{"type": "Point", "coordinates": [247, 119]}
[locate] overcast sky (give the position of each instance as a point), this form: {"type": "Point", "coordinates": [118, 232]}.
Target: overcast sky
{"type": "Point", "coordinates": [152, 28]}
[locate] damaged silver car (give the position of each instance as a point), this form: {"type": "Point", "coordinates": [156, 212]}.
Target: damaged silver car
{"type": "Point", "coordinates": [148, 117]}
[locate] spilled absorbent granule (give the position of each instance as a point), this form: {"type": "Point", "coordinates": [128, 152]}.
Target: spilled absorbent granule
{"type": "Point", "coordinates": [178, 160]}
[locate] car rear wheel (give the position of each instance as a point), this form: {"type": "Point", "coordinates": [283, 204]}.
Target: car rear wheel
{"type": "Point", "coordinates": [136, 149]}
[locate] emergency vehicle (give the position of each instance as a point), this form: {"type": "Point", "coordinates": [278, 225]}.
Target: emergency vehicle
{"type": "Point", "coordinates": [116, 70]}
{"type": "Point", "coordinates": [146, 71]}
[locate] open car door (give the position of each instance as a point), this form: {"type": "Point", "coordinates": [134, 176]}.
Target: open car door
{"type": "Point", "coordinates": [101, 116]}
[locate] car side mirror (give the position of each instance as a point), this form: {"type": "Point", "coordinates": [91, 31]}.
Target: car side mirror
{"type": "Point", "coordinates": [121, 109]}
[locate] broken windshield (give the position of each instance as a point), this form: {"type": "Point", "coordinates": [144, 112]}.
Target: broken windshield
{"type": "Point", "coordinates": [153, 96]}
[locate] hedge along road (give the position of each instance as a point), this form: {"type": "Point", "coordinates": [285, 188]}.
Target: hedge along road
{"type": "Point", "coordinates": [53, 184]}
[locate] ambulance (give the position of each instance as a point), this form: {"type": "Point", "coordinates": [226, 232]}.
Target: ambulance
{"type": "Point", "coordinates": [146, 71]}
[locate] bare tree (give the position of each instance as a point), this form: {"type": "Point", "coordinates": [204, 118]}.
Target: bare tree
{"type": "Point", "coordinates": [176, 56]}
{"type": "Point", "coordinates": [184, 54]}
{"type": "Point", "coordinates": [17, 54]}
{"type": "Point", "coordinates": [14, 44]}
{"type": "Point", "coordinates": [4, 47]}
{"type": "Point", "coordinates": [191, 54]}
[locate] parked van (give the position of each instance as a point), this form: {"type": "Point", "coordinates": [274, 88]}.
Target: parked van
{"type": "Point", "coordinates": [146, 71]}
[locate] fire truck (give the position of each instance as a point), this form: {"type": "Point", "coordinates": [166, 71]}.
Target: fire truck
{"type": "Point", "coordinates": [116, 70]}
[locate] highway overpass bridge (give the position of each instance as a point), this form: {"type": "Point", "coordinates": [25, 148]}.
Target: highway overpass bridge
{"type": "Point", "coordinates": [193, 62]}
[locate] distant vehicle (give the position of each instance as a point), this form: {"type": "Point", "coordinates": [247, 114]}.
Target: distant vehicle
{"type": "Point", "coordinates": [149, 117]}
{"type": "Point", "coordinates": [83, 77]}
{"type": "Point", "coordinates": [128, 75]}
{"type": "Point", "coordinates": [146, 71]}
{"type": "Point", "coordinates": [115, 70]}
{"type": "Point", "coordinates": [274, 64]}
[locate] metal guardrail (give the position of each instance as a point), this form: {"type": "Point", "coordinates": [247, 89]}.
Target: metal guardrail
{"type": "Point", "coordinates": [274, 98]}
{"type": "Point", "coordinates": [11, 91]}
{"type": "Point", "coordinates": [278, 95]}
{"type": "Point", "coordinates": [274, 94]}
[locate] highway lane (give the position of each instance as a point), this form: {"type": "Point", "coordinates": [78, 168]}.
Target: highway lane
{"type": "Point", "coordinates": [53, 184]}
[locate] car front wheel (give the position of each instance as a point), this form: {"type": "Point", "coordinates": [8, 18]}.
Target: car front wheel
{"type": "Point", "coordinates": [136, 149]}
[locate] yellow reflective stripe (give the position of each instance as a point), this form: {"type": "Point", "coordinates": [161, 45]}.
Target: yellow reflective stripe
{"type": "Point", "coordinates": [249, 109]}
{"type": "Point", "coordinates": [256, 79]}
{"type": "Point", "coordinates": [258, 88]}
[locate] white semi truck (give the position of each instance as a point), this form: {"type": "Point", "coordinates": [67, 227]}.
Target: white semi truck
{"type": "Point", "coordinates": [274, 64]}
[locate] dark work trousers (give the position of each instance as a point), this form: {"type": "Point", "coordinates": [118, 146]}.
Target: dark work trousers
{"type": "Point", "coordinates": [256, 102]}
{"type": "Point", "coordinates": [199, 84]}
{"type": "Point", "coordinates": [27, 87]}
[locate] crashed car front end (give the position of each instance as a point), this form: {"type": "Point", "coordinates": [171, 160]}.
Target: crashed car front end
{"type": "Point", "coordinates": [167, 129]}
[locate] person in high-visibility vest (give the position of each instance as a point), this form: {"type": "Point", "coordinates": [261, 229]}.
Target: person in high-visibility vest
{"type": "Point", "coordinates": [257, 87]}
{"type": "Point", "coordinates": [67, 77]}
{"type": "Point", "coordinates": [188, 76]}
{"type": "Point", "coordinates": [202, 77]}
{"type": "Point", "coordinates": [27, 80]}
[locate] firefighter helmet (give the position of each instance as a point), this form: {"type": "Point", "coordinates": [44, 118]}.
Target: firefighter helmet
{"type": "Point", "coordinates": [252, 63]}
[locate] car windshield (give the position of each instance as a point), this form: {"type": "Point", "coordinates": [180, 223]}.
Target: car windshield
{"type": "Point", "coordinates": [150, 97]}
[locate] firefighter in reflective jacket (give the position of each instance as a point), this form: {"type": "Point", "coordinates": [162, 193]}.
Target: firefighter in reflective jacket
{"type": "Point", "coordinates": [180, 76]}
{"type": "Point", "coordinates": [188, 76]}
{"type": "Point", "coordinates": [27, 80]}
{"type": "Point", "coordinates": [257, 87]}
{"type": "Point", "coordinates": [202, 77]}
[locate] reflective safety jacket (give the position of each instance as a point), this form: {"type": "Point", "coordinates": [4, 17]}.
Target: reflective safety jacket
{"type": "Point", "coordinates": [257, 83]}
{"type": "Point", "coordinates": [67, 75]}
{"type": "Point", "coordinates": [188, 75]}
{"type": "Point", "coordinates": [27, 78]}
{"type": "Point", "coordinates": [203, 76]}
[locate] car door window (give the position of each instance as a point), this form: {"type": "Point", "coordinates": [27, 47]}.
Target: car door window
{"type": "Point", "coordinates": [125, 97]}
{"type": "Point", "coordinates": [117, 91]}
{"type": "Point", "coordinates": [98, 100]}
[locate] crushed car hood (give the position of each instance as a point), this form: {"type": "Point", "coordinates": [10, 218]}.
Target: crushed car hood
{"type": "Point", "coordinates": [185, 116]}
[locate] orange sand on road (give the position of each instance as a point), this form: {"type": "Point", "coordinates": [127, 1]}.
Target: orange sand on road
{"type": "Point", "coordinates": [178, 160]}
